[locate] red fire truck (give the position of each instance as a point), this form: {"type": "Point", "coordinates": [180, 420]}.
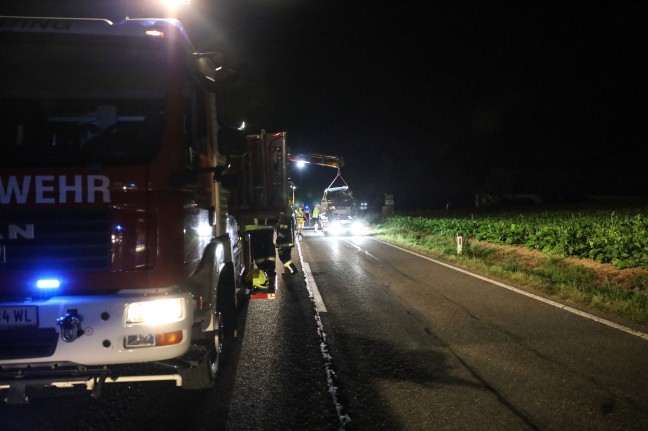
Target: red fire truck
{"type": "Point", "coordinates": [122, 251]}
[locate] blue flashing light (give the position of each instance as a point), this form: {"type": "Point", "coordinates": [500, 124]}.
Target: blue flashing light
{"type": "Point", "coordinates": [48, 283]}
{"type": "Point", "coordinates": [119, 228]}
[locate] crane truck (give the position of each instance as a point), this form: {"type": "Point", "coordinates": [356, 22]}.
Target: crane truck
{"type": "Point", "coordinates": [130, 219]}
{"type": "Point", "coordinates": [336, 201]}
{"type": "Point", "coordinates": [338, 207]}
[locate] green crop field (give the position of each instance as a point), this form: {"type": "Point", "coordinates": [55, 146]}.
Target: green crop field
{"type": "Point", "coordinates": [616, 237]}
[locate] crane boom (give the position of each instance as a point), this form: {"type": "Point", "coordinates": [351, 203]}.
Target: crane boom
{"type": "Point", "coordinates": [317, 159]}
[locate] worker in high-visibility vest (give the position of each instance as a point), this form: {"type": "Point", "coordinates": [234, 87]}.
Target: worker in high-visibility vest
{"type": "Point", "coordinates": [284, 244]}
{"type": "Point", "coordinates": [316, 219]}
{"type": "Point", "coordinates": [301, 218]}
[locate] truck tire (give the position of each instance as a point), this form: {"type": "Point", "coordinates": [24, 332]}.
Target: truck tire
{"type": "Point", "coordinates": [204, 360]}
{"type": "Point", "coordinates": [226, 304]}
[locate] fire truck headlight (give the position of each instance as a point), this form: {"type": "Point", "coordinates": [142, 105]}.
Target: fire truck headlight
{"type": "Point", "coordinates": [155, 312]}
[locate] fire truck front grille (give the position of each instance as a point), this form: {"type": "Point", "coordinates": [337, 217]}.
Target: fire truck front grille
{"type": "Point", "coordinates": [27, 343]}
{"type": "Point", "coordinates": [53, 241]}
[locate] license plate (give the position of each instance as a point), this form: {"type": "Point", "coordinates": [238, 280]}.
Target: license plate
{"type": "Point", "coordinates": [12, 317]}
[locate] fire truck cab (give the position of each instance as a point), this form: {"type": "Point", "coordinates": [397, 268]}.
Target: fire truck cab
{"type": "Point", "coordinates": [117, 247]}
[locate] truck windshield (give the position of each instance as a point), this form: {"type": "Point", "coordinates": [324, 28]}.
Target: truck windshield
{"type": "Point", "coordinates": [80, 100]}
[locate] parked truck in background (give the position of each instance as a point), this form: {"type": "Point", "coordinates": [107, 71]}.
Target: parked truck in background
{"type": "Point", "coordinates": [122, 251]}
{"type": "Point", "coordinates": [338, 208]}
{"type": "Point", "coordinates": [259, 201]}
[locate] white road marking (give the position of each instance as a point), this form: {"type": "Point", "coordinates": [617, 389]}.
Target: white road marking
{"type": "Point", "coordinates": [530, 295]}
{"type": "Point", "coordinates": [361, 250]}
{"type": "Point", "coordinates": [331, 376]}
{"type": "Point", "coordinates": [312, 288]}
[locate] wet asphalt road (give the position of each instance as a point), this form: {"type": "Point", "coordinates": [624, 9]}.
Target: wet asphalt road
{"type": "Point", "coordinates": [397, 342]}
{"type": "Point", "coordinates": [429, 347]}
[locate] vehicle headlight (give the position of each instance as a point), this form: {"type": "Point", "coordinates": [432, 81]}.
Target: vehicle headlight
{"type": "Point", "coordinates": [155, 312]}
{"type": "Point", "coordinates": [359, 229]}
{"type": "Point", "coordinates": [335, 228]}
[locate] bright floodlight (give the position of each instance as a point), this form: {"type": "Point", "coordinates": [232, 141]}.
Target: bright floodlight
{"type": "Point", "coordinates": [171, 6]}
{"type": "Point", "coordinates": [301, 164]}
{"type": "Point", "coordinates": [174, 3]}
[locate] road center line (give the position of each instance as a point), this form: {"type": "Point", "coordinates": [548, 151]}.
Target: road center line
{"type": "Point", "coordinates": [528, 294]}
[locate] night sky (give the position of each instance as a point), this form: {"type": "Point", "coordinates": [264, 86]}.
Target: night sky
{"type": "Point", "coordinates": [435, 101]}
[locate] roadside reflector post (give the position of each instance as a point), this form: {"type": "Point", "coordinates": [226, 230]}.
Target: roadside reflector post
{"type": "Point", "coordinates": [459, 244]}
